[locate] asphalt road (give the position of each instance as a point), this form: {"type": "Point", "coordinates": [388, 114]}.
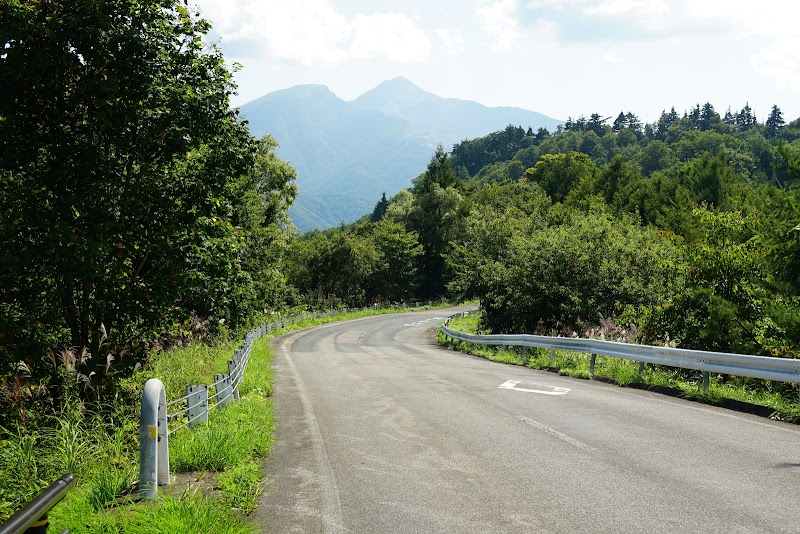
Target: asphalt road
{"type": "Point", "coordinates": [381, 430]}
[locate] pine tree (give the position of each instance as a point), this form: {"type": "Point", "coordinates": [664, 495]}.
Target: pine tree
{"type": "Point", "coordinates": [632, 122]}
{"type": "Point", "coordinates": [707, 117]}
{"type": "Point", "coordinates": [774, 123]}
{"type": "Point", "coordinates": [729, 117]}
{"type": "Point", "coordinates": [619, 122]}
{"type": "Point", "coordinates": [380, 209]}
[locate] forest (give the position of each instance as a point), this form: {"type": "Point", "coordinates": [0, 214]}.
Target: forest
{"type": "Point", "coordinates": [138, 212]}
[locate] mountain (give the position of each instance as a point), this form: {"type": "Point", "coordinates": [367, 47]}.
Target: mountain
{"type": "Point", "coordinates": [348, 153]}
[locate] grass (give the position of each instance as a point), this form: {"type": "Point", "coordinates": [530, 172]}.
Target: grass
{"type": "Point", "coordinates": [101, 449]}
{"type": "Point", "coordinates": [780, 398]}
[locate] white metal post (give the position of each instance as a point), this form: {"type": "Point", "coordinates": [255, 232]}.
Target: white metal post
{"type": "Point", "coordinates": [153, 446]}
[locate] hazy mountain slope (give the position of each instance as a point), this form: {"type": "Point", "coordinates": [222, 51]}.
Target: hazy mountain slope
{"type": "Point", "coordinates": [348, 153]}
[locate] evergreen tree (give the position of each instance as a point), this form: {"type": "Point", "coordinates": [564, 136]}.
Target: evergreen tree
{"type": "Point", "coordinates": [380, 209]}
{"type": "Point", "coordinates": [542, 134]}
{"type": "Point", "coordinates": [596, 123]}
{"type": "Point", "coordinates": [729, 118]}
{"type": "Point", "coordinates": [708, 117]}
{"type": "Point", "coordinates": [665, 121]}
{"type": "Point", "coordinates": [774, 123]}
{"type": "Point", "coordinates": [745, 119]}
{"type": "Point", "coordinates": [619, 122]}
{"type": "Point", "coordinates": [633, 123]}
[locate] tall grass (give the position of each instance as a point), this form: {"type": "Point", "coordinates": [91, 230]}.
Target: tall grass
{"type": "Point", "coordinates": [101, 449]}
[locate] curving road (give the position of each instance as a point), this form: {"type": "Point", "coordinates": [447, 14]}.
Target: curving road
{"type": "Point", "coordinates": [380, 430]}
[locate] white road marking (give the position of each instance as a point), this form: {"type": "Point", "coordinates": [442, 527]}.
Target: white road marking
{"type": "Point", "coordinates": [556, 433]}
{"type": "Point", "coordinates": [512, 384]}
{"type": "Point", "coordinates": [423, 321]}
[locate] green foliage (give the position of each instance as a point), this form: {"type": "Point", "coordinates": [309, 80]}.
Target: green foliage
{"type": "Point", "coordinates": [722, 307]}
{"type": "Point", "coordinates": [578, 271]}
{"type": "Point", "coordinates": [558, 174]}
{"type": "Point", "coordinates": [399, 250]}
{"type": "Point", "coordinates": [380, 209]}
{"type": "Point", "coordinates": [131, 192]}
{"type": "Point", "coordinates": [190, 513]}
{"type": "Point", "coordinates": [241, 486]}
{"type": "Point", "coordinates": [233, 434]}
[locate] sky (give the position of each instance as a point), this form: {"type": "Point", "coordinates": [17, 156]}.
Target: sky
{"type": "Point", "coordinates": [563, 58]}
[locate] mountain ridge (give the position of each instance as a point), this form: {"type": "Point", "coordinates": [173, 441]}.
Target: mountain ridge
{"type": "Point", "coordinates": [373, 144]}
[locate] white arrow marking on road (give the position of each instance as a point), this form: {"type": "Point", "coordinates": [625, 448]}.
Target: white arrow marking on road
{"type": "Point", "coordinates": [512, 384]}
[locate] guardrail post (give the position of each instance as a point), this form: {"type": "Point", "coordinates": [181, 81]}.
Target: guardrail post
{"type": "Point", "coordinates": [641, 368]}
{"type": "Point", "coordinates": [232, 371]}
{"type": "Point", "coordinates": [197, 402]}
{"type": "Point", "coordinates": [705, 380]}
{"type": "Point", "coordinates": [153, 446]}
{"type": "Point", "coordinates": [552, 356]}
{"type": "Point", "coordinates": [592, 361]}
{"type": "Point", "coordinates": [223, 383]}
{"type": "Point", "coordinates": [524, 353]}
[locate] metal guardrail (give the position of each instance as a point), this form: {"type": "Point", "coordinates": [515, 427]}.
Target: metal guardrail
{"type": "Point", "coordinates": [763, 367]}
{"type": "Point", "coordinates": [33, 515]}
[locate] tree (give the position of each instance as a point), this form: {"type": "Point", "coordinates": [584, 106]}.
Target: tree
{"type": "Point", "coordinates": [542, 134]}
{"type": "Point", "coordinates": [665, 121]}
{"type": "Point", "coordinates": [708, 177]}
{"type": "Point", "coordinates": [557, 174]}
{"type": "Point", "coordinates": [774, 123]}
{"type": "Point", "coordinates": [708, 118]}
{"type": "Point", "coordinates": [745, 119]}
{"type": "Point", "coordinates": [380, 209]}
{"type": "Point", "coordinates": [656, 156]}
{"type": "Point", "coordinates": [633, 123]}
{"type": "Point", "coordinates": [436, 216]}
{"type": "Point", "coordinates": [118, 148]}
{"type": "Point", "coordinates": [261, 199]}
{"type": "Point", "coordinates": [395, 279]}
{"type": "Point", "coordinates": [619, 122]}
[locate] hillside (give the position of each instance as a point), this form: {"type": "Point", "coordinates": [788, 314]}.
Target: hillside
{"type": "Point", "coordinates": [348, 153]}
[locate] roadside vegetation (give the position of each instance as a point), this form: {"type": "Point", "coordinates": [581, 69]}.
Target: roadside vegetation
{"type": "Point", "coordinates": [217, 467]}
{"type": "Point", "coordinates": [780, 400]}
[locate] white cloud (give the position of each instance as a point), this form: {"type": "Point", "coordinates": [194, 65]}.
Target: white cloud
{"type": "Point", "coordinates": [313, 32]}
{"type": "Point", "coordinates": [451, 40]}
{"type": "Point", "coordinates": [499, 21]}
{"type": "Point", "coordinates": [780, 61]}
{"type": "Point", "coordinates": [546, 4]}
{"type": "Point", "coordinates": [391, 36]}
{"type": "Point", "coordinates": [613, 7]}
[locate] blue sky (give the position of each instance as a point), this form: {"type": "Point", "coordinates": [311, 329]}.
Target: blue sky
{"type": "Point", "coordinates": [558, 57]}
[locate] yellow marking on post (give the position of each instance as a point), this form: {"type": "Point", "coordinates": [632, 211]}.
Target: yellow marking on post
{"type": "Point", "coordinates": [152, 431]}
